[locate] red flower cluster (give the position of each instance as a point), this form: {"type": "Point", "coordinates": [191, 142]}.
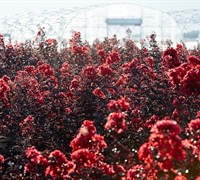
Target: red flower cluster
{"type": "Point", "coordinates": [1, 161]}
{"type": "Point", "coordinates": [75, 38]}
{"type": "Point", "coordinates": [84, 157]}
{"type": "Point", "coordinates": [28, 83]}
{"type": "Point", "coordinates": [99, 93]}
{"type": "Point", "coordinates": [55, 165]}
{"type": "Point", "coordinates": [120, 104]}
{"type": "Point", "coordinates": [87, 138]}
{"type": "Point", "coordinates": [165, 147]}
{"type": "Point", "coordinates": [31, 70]}
{"type": "Point", "coordinates": [80, 50]}
{"type": "Point", "coordinates": [170, 58]}
{"type": "Point", "coordinates": [167, 127]}
{"type": "Point", "coordinates": [27, 126]}
{"type": "Point", "coordinates": [51, 42]}
{"type": "Point", "coordinates": [65, 67]}
{"type": "Point", "coordinates": [102, 54]}
{"type": "Point", "coordinates": [136, 172]}
{"type": "Point", "coordinates": [90, 72]}
{"type": "Point", "coordinates": [193, 142]}
{"type": "Point", "coordinates": [87, 149]}
{"type": "Point", "coordinates": [193, 60]}
{"type": "Point", "coordinates": [187, 76]}
{"type": "Point", "coordinates": [113, 57]}
{"type": "Point", "coordinates": [46, 69]}
{"type": "Point", "coordinates": [1, 39]}
{"type": "Point", "coordinates": [127, 67]}
{"type": "Point", "coordinates": [35, 158]}
{"type": "Point", "coordinates": [122, 80]}
{"type": "Point", "coordinates": [4, 90]}
{"type": "Point", "coordinates": [105, 70]}
{"type": "Point", "coordinates": [45, 95]}
{"type": "Point", "coordinates": [59, 166]}
{"type": "Point", "coordinates": [180, 49]}
{"type": "Point", "coordinates": [116, 122]}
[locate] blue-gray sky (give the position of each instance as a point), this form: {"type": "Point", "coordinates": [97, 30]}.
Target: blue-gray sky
{"type": "Point", "coordinates": [10, 7]}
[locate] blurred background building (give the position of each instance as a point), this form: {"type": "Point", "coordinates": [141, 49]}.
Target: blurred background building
{"type": "Point", "coordinates": [100, 20]}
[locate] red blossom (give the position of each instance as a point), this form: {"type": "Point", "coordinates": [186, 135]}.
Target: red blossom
{"type": "Point", "coordinates": [76, 35]}
{"type": "Point", "coordinates": [30, 84]}
{"type": "Point", "coordinates": [186, 76]}
{"type": "Point", "coordinates": [4, 90]}
{"type": "Point", "coordinates": [113, 105]}
{"type": "Point", "coordinates": [6, 78]}
{"type": "Point", "coordinates": [166, 165]}
{"type": "Point", "coordinates": [59, 166]}
{"type": "Point", "coordinates": [166, 126]}
{"type": "Point", "coordinates": [51, 42]}
{"type": "Point", "coordinates": [116, 122]}
{"type": "Point", "coordinates": [80, 50]}
{"type": "Point", "coordinates": [150, 61]}
{"type": "Point", "coordinates": [27, 125]}
{"type": "Point", "coordinates": [127, 67]}
{"type": "Point", "coordinates": [36, 158]}
{"type": "Point", "coordinates": [175, 102]}
{"type": "Point", "coordinates": [39, 63]}
{"type": "Point", "coordinates": [83, 157]}
{"type": "Point", "coordinates": [102, 54]}
{"type": "Point", "coordinates": [31, 70]}
{"type": "Point", "coordinates": [122, 80]}
{"type": "Point", "coordinates": [105, 70]}
{"type": "Point", "coordinates": [46, 69]}
{"type": "Point", "coordinates": [1, 39]}
{"type": "Point", "coordinates": [120, 104]}
{"type": "Point", "coordinates": [113, 57]}
{"type": "Point", "coordinates": [106, 169]}
{"type": "Point", "coordinates": [97, 92]}
{"type": "Point", "coordinates": [170, 51]}
{"type": "Point", "coordinates": [175, 114]}
{"type": "Point", "coordinates": [194, 125]}
{"type": "Point", "coordinates": [174, 77]}
{"type": "Point", "coordinates": [123, 104]}
{"type": "Point", "coordinates": [90, 72]}
{"type": "Point", "coordinates": [87, 138]}
{"type": "Point", "coordinates": [1, 161]}
{"type": "Point", "coordinates": [170, 58]}
{"type": "Point", "coordinates": [57, 157]}
{"type": "Point", "coordinates": [74, 83]}
{"type": "Point", "coordinates": [165, 147]}
{"type": "Point", "coordinates": [144, 153]}
{"type": "Point", "coordinates": [98, 143]}
{"type": "Point", "coordinates": [68, 110]}
{"type": "Point", "coordinates": [75, 38]}
{"type": "Point", "coordinates": [191, 82]}
{"type": "Point", "coordinates": [193, 141]}
{"type": "Point", "coordinates": [135, 173]}
{"type": "Point", "coordinates": [64, 68]}
{"type": "Point", "coordinates": [111, 91]}
{"type": "Point", "coordinates": [151, 121]}
{"type": "Point", "coordinates": [180, 49]}
{"type": "Point", "coordinates": [180, 177]}
{"type": "Point", "coordinates": [136, 123]}
{"type": "Point", "coordinates": [193, 60]}
{"type": "Point", "coordinates": [87, 128]}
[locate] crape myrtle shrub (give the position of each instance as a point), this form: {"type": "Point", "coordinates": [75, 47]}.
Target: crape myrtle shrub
{"type": "Point", "coordinates": [109, 110]}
